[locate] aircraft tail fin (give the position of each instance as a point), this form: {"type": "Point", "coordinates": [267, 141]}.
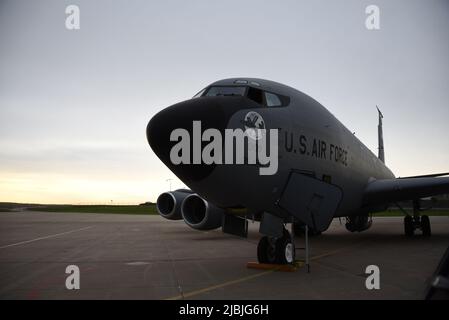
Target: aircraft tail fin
{"type": "Point", "coordinates": [381, 154]}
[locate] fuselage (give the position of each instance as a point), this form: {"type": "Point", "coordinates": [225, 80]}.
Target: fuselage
{"type": "Point", "coordinates": [310, 141]}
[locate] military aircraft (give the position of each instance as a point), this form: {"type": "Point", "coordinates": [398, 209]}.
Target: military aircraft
{"type": "Point", "coordinates": [300, 165]}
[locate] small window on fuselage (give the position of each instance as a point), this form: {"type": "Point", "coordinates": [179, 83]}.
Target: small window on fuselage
{"type": "Point", "coordinates": [272, 100]}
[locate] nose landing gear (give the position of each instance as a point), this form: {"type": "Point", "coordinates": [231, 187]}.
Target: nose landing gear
{"type": "Point", "coordinates": [276, 250]}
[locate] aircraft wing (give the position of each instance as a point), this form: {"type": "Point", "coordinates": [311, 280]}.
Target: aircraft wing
{"type": "Point", "coordinates": [400, 189]}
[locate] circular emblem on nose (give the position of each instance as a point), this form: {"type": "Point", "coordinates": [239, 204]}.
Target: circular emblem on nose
{"type": "Point", "coordinates": [254, 124]}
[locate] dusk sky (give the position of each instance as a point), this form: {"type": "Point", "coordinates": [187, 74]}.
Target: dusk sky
{"type": "Point", "coordinates": [74, 104]}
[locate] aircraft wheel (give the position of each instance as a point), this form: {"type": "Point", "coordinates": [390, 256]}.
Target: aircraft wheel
{"type": "Point", "coordinates": [285, 249]}
{"type": "Point", "coordinates": [425, 226]}
{"type": "Point", "coordinates": [262, 248]}
{"type": "Point", "coordinates": [266, 250]}
{"type": "Point", "coordinates": [409, 228]}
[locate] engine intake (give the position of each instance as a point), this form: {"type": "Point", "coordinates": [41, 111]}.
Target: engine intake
{"type": "Point", "coordinates": [200, 214]}
{"type": "Point", "coordinates": [168, 204]}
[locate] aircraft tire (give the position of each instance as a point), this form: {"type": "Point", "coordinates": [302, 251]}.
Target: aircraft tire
{"type": "Point", "coordinates": [425, 226]}
{"type": "Point", "coordinates": [409, 229]}
{"type": "Point", "coordinates": [266, 251]}
{"type": "Point", "coordinates": [285, 249]}
{"type": "Point", "coordinates": [262, 248]}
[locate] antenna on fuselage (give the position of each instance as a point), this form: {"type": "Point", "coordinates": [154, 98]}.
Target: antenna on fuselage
{"type": "Point", "coordinates": [381, 154]}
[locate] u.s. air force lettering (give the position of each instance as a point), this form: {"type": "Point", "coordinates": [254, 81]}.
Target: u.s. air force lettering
{"type": "Point", "coordinates": [314, 147]}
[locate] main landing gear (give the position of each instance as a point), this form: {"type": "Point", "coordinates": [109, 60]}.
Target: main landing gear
{"type": "Point", "coordinates": [412, 223]}
{"type": "Point", "coordinates": [417, 222]}
{"type": "Point", "coordinates": [276, 250]}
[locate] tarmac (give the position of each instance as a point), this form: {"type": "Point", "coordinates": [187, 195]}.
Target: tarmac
{"type": "Point", "coordinates": [148, 257]}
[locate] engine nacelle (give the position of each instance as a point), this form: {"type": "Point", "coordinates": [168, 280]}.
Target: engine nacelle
{"type": "Point", "coordinates": [200, 214]}
{"type": "Point", "coordinates": [168, 204]}
{"type": "Point", "coordinates": [358, 223]}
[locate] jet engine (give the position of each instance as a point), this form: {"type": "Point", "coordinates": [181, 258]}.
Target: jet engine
{"type": "Point", "coordinates": [200, 214]}
{"type": "Point", "coordinates": [168, 204]}
{"type": "Point", "coordinates": [358, 223]}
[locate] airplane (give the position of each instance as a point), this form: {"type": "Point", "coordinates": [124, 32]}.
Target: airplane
{"type": "Point", "coordinates": [317, 169]}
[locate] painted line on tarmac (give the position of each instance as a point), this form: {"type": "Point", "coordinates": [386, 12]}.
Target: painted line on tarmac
{"type": "Point", "coordinates": [218, 286]}
{"type": "Point", "coordinates": [239, 280]}
{"type": "Point", "coordinates": [46, 237]}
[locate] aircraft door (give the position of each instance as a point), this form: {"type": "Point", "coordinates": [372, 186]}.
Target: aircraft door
{"type": "Point", "coordinates": [312, 201]}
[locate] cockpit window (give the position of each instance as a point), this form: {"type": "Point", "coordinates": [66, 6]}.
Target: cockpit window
{"type": "Point", "coordinates": [272, 100]}
{"type": "Point", "coordinates": [264, 98]}
{"type": "Point", "coordinates": [225, 91]}
{"type": "Point", "coordinates": [256, 95]}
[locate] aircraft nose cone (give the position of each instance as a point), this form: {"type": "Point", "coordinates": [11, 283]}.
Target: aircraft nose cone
{"type": "Point", "coordinates": [213, 112]}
